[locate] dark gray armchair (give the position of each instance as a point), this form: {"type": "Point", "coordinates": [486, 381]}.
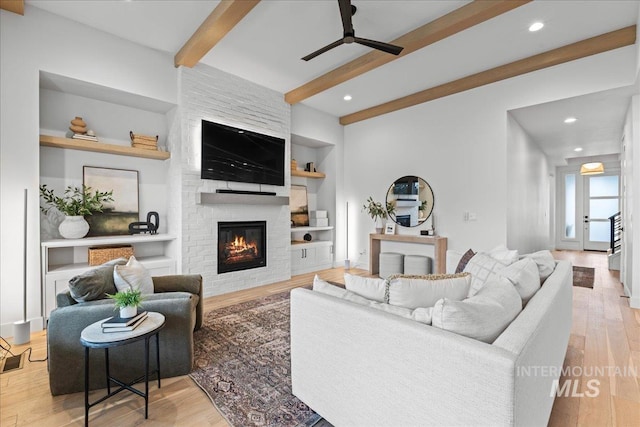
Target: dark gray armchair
{"type": "Point", "coordinates": [178, 298]}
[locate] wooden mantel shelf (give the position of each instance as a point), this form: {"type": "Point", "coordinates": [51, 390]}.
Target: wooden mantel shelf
{"type": "Point", "coordinates": [305, 174]}
{"type": "Point", "coordinates": [99, 147]}
{"type": "Point", "coordinates": [440, 251]}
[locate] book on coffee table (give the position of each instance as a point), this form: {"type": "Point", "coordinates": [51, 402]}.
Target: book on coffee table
{"type": "Point", "coordinates": [126, 328]}
{"type": "Point", "coordinates": [121, 322]}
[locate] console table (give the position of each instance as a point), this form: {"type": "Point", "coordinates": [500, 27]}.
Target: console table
{"type": "Point", "coordinates": [440, 243]}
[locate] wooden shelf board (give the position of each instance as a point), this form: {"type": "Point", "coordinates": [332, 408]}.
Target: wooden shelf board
{"type": "Point", "coordinates": [149, 262]}
{"type": "Point", "coordinates": [297, 244]}
{"type": "Point", "coordinates": [306, 229]}
{"type": "Point", "coordinates": [305, 174]}
{"type": "Point", "coordinates": [99, 147]}
{"type": "Point", "coordinates": [107, 240]}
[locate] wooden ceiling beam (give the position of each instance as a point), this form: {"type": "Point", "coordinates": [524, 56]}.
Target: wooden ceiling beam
{"type": "Point", "coordinates": [592, 46]}
{"type": "Point", "coordinates": [15, 6]}
{"type": "Point", "coordinates": [454, 22]}
{"type": "Point", "coordinates": [217, 25]}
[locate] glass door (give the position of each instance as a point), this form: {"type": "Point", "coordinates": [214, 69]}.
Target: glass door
{"type": "Point", "coordinates": [601, 200]}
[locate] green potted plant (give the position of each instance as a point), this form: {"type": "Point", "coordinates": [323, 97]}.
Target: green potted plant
{"type": "Point", "coordinates": [127, 301]}
{"type": "Point", "coordinates": [75, 204]}
{"type": "Point", "coordinates": [376, 211]}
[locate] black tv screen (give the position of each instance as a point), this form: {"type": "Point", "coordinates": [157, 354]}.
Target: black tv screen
{"type": "Point", "coordinates": [232, 154]}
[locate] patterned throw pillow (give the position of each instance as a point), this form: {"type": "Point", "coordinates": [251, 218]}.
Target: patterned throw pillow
{"type": "Point", "coordinates": [482, 267]}
{"type": "Point", "coordinates": [464, 260]}
{"type": "Point", "coordinates": [423, 291]}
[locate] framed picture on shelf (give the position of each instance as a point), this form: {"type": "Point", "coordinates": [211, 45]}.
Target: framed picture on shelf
{"type": "Point", "coordinates": [117, 215]}
{"type": "Point", "coordinates": [299, 206]}
{"type": "Point", "coordinates": [390, 228]}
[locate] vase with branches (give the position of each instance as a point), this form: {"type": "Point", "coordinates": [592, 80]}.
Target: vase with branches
{"type": "Point", "coordinates": [376, 211]}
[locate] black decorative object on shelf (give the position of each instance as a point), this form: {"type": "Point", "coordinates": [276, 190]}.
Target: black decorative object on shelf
{"type": "Point", "coordinates": [307, 237]}
{"type": "Point", "coordinates": [149, 226]}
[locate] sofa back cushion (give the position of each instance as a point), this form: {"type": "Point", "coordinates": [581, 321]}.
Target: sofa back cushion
{"type": "Point", "coordinates": [524, 276]}
{"type": "Point", "coordinates": [423, 291]}
{"type": "Point", "coordinates": [367, 287]}
{"type": "Point", "coordinates": [95, 283]}
{"type": "Point", "coordinates": [483, 316]}
{"type": "Point", "coordinates": [545, 262]}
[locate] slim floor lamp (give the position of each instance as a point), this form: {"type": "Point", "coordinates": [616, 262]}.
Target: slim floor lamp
{"type": "Point", "coordinates": [22, 329]}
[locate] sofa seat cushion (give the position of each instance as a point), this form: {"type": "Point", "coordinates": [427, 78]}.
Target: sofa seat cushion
{"type": "Point", "coordinates": [423, 291]}
{"type": "Point", "coordinates": [524, 276]}
{"type": "Point", "coordinates": [421, 314]}
{"type": "Point", "coordinates": [367, 287]}
{"type": "Point", "coordinates": [483, 316]}
{"type": "Point", "coordinates": [96, 283]}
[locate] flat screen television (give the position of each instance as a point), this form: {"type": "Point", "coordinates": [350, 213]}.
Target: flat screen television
{"type": "Point", "coordinates": [408, 185]}
{"type": "Point", "coordinates": [232, 154]}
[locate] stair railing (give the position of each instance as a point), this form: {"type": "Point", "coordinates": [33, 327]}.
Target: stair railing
{"type": "Point", "coordinates": [615, 222]}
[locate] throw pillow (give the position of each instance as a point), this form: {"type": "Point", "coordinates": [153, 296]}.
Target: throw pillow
{"type": "Point", "coordinates": [133, 275]}
{"type": "Point", "coordinates": [95, 283]}
{"type": "Point", "coordinates": [423, 291]}
{"type": "Point", "coordinates": [524, 276]}
{"type": "Point", "coordinates": [464, 260]}
{"type": "Point", "coordinates": [482, 268]}
{"type": "Point", "coordinates": [503, 254]}
{"type": "Point", "coordinates": [422, 315]}
{"type": "Point", "coordinates": [483, 316]}
{"type": "Point", "coordinates": [368, 287]}
{"type": "Point", "coordinates": [545, 262]}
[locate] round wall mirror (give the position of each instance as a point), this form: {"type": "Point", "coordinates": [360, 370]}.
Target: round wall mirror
{"type": "Point", "coordinates": [412, 201]}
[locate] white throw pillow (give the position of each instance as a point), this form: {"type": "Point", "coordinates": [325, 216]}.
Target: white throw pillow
{"type": "Point", "coordinates": [133, 275]}
{"type": "Point", "coordinates": [504, 254]}
{"type": "Point", "coordinates": [524, 276]}
{"type": "Point", "coordinates": [483, 316]}
{"type": "Point", "coordinates": [483, 268]}
{"type": "Point", "coordinates": [424, 291]}
{"type": "Point", "coordinates": [368, 287]}
{"type": "Point", "coordinates": [422, 315]}
{"type": "Point", "coordinates": [546, 263]}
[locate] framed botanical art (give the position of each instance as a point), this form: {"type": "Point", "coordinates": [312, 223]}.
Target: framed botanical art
{"type": "Point", "coordinates": [117, 215]}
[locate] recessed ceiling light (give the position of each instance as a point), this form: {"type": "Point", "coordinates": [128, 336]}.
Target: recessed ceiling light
{"type": "Point", "coordinates": [536, 26]}
{"type": "Point", "coordinates": [570, 120]}
{"type": "Point", "coordinates": [577, 149]}
{"type": "Point", "coordinates": [347, 98]}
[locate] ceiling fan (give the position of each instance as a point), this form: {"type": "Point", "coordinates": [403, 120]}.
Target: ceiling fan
{"type": "Point", "coordinates": [346, 12]}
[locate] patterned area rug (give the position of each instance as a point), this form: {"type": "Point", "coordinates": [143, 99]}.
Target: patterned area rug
{"type": "Point", "coordinates": [583, 276]}
{"type": "Point", "coordinates": [242, 358]}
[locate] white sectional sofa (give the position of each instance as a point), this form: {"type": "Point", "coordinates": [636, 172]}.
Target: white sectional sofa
{"type": "Point", "coordinates": [358, 366]}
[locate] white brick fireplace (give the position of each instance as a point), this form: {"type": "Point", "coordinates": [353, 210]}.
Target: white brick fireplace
{"type": "Point", "coordinates": [211, 94]}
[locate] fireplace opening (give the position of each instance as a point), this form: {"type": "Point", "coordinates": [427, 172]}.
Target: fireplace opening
{"type": "Point", "coordinates": [241, 245]}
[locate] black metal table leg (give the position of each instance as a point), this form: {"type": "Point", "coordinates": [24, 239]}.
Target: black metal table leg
{"type": "Point", "coordinates": [86, 386]}
{"type": "Point", "coordinates": [106, 358]}
{"type": "Point", "coordinates": [146, 377]}
{"type": "Point", "coordinates": [158, 357]}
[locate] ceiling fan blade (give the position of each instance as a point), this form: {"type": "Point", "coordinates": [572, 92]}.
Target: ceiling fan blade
{"type": "Point", "coordinates": [346, 13]}
{"type": "Point", "coordinates": [385, 47]}
{"type": "Point", "coordinates": [323, 50]}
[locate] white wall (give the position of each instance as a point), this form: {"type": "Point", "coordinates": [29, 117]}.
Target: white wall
{"type": "Point", "coordinates": [459, 145]}
{"type": "Point", "coordinates": [528, 192]}
{"type": "Point", "coordinates": [28, 44]}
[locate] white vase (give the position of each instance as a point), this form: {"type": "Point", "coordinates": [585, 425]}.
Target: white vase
{"type": "Point", "coordinates": [74, 227]}
{"type": "Point", "coordinates": [128, 311]}
{"type": "Point", "coordinates": [379, 226]}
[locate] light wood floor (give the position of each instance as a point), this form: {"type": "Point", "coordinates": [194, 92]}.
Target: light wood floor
{"type": "Point", "coordinates": [606, 332]}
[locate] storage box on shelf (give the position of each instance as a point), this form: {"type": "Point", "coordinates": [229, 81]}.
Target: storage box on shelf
{"type": "Point", "coordinates": [63, 259]}
{"type": "Point", "coordinates": [316, 254]}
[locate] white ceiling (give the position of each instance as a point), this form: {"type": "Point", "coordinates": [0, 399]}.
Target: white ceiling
{"type": "Point", "coordinates": [266, 46]}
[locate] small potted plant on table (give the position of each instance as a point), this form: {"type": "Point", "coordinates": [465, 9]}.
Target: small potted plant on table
{"type": "Point", "coordinates": [127, 301]}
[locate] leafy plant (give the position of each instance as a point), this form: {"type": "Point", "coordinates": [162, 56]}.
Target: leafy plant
{"type": "Point", "coordinates": [128, 298]}
{"type": "Point", "coordinates": [375, 209]}
{"type": "Point", "coordinates": [76, 201]}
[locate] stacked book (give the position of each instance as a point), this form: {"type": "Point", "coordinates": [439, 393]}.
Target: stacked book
{"type": "Point", "coordinates": [85, 137]}
{"type": "Point", "coordinates": [143, 141]}
{"type": "Point", "coordinates": [120, 324]}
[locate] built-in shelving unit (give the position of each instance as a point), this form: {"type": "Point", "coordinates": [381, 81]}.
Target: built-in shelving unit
{"type": "Point", "coordinates": [316, 254]}
{"type": "Point", "coordinates": [305, 174]}
{"type": "Point", "coordinates": [63, 259]}
{"type": "Point", "coordinates": [99, 147]}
